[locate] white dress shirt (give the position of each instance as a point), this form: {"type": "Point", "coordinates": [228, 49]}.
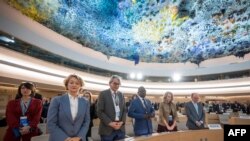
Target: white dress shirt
{"type": "Point", "coordinates": [116, 104]}
{"type": "Point", "coordinates": [142, 101]}
{"type": "Point", "coordinates": [73, 105]}
{"type": "Point", "coordinates": [196, 107]}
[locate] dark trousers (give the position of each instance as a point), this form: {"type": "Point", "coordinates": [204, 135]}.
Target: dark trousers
{"type": "Point", "coordinates": [115, 135]}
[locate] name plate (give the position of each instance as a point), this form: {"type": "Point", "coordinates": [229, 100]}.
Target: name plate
{"type": "Point", "coordinates": [214, 126]}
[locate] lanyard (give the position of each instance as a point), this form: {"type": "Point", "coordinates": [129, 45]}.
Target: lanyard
{"type": "Point", "coordinates": [25, 106]}
{"type": "Point", "coordinates": [115, 99]}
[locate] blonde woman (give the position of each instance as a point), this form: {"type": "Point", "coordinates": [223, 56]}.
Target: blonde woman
{"type": "Point", "coordinates": [167, 114]}
{"type": "Point", "coordinates": [68, 115]}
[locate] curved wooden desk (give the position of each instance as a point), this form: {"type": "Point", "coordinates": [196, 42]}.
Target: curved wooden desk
{"type": "Point", "coordinates": [188, 135]}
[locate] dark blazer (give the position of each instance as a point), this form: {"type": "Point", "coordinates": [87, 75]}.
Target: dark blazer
{"type": "Point", "coordinates": [106, 111]}
{"type": "Point", "coordinates": [38, 96]}
{"type": "Point", "coordinates": [60, 122]}
{"type": "Point", "coordinates": [142, 126]}
{"type": "Point", "coordinates": [13, 114]}
{"type": "Point", "coordinates": [192, 115]}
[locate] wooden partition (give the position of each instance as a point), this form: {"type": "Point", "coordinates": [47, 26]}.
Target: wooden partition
{"type": "Point", "coordinates": [189, 135]}
{"type": "Point", "coordinates": [212, 118]}
{"type": "Point", "coordinates": [239, 121]}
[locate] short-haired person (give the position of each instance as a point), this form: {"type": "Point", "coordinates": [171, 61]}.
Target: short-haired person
{"type": "Point", "coordinates": [23, 114]}
{"type": "Point", "coordinates": [167, 114]}
{"type": "Point", "coordinates": [195, 113]}
{"type": "Point", "coordinates": [111, 109]}
{"type": "Point", "coordinates": [68, 115]}
{"type": "Point", "coordinates": [142, 111]}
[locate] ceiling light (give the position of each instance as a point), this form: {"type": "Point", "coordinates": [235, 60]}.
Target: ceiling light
{"type": "Point", "coordinates": [132, 75]}
{"type": "Point", "coordinates": [176, 77]}
{"type": "Point", "coordinates": [139, 76]}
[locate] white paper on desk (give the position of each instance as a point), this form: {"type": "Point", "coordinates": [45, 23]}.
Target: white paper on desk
{"type": "Point", "coordinates": [214, 126]}
{"type": "Point", "coordinates": [244, 117]}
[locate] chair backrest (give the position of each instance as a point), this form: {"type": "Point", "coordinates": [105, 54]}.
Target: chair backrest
{"type": "Point", "coordinates": [129, 130]}
{"type": "Point", "coordinates": [181, 126]}
{"type": "Point", "coordinates": [155, 126]}
{"type": "Point", "coordinates": [94, 133]}
{"type": "Point", "coordinates": [44, 137]}
{"type": "Point", "coordinates": [223, 118]}
{"type": "Point", "coordinates": [43, 127]}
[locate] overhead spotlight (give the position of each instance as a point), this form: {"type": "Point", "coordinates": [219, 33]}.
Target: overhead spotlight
{"type": "Point", "coordinates": [195, 79]}
{"type": "Point", "coordinates": [176, 77]}
{"type": "Point", "coordinates": [132, 75]}
{"type": "Point", "coordinates": [169, 79]}
{"type": "Point", "coordinates": [139, 76]}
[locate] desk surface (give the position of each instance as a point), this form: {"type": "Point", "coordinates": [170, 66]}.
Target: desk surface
{"type": "Point", "coordinates": [189, 135]}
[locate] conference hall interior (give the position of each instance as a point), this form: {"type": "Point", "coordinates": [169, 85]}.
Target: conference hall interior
{"type": "Point", "coordinates": [182, 47]}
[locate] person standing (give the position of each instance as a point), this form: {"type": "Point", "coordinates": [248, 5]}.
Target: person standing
{"type": "Point", "coordinates": [68, 115]}
{"type": "Point", "coordinates": [88, 95]}
{"type": "Point", "coordinates": [195, 113]}
{"type": "Point", "coordinates": [142, 111]}
{"type": "Point", "coordinates": [23, 114]}
{"type": "Point", "coordinates": [111, 109]}
{"type": "Point", "coordinates": [167, 114]}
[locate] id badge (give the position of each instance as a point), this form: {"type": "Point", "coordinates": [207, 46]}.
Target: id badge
{"type": "Point", "coordinates": [170, 118]}
{"type": "Point", "coordinates": [117, 112]}
{"type": "Point", "coordinates": [117, 108]}
{"type": "Point", "coordinates": [24, 121]}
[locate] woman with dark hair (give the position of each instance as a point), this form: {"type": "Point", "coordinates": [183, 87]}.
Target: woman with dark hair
{"type": "Point", "coordinates": [88, 96]}
{"type": "Point", "coordinates": [23, 114]}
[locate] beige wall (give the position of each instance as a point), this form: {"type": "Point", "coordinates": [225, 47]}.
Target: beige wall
{"type": "Point", "coordinates": [8, 92]}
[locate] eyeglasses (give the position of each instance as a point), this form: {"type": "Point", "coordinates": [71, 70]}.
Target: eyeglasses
{"type": "Point", "coordinates": [115, 83]}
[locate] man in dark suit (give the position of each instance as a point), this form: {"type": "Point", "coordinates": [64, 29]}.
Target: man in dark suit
{"type": "Point", "coordinates": [142, 111]}
{"type": "Point", "coordinates": [195, 113]}
{"type": "Point", "coordinates": [219, 108]}
{"type": "Point", "coordinates": [111, 109]}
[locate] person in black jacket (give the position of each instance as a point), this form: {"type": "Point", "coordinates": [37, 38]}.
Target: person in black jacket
{"type": "Point", "coordinates": [88, 96]}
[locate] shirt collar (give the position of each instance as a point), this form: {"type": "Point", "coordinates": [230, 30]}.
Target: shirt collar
{"type": "Point", "coordinates": [113, 92]}
{"type": "Point", "coordinates": [71, 97]}
{"type": "Point", "coordinates": [194, 103]}
{"type": "Point", "coordinates": [141, 97]}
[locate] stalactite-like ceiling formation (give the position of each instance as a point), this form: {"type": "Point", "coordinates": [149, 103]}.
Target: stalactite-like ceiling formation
{"type": "Point", "coordinates": [165, 31]}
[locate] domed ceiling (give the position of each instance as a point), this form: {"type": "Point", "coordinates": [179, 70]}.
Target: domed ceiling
{"type": "Point", "coordinates": [164, 31]}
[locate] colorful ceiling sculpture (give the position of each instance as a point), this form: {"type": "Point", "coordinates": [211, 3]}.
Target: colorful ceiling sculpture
{"type": "Point", "coordinates": [165, 31]}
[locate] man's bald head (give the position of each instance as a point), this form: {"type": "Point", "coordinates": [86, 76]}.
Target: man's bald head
{"type": "Point", "coordinates": [141, 92]}
{"type": "Point", "coordinates": [195, 97]}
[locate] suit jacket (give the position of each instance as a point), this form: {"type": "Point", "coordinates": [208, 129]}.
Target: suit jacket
{"type": "Point", "coordinates": [14, 112]}
{"type": "Point", "coordinates": [106, 111]}
{"type": "Point", "coordinates": [192, 115]}
{"type": "Point", "coordinates": [218, 110]}
{"type": "Point", "coordinates": [165, 111]}
{"type": "Point", "coordinates": [60, 122]}
{"type": "Point", "coordinates": [142, 126]}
